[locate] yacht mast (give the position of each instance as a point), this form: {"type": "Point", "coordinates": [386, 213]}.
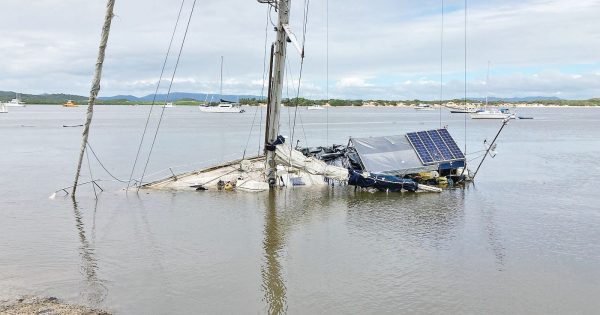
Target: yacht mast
{"type": "Point", "coordinates": [274, 106]}
{"type": "Point", "coordinates": [221, 89]}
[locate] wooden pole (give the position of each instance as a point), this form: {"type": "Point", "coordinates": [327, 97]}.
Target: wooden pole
{"type": "Point", "coordinates": [95, 87]}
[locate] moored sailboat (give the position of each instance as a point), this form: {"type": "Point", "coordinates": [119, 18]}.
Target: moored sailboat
{"type": "Point", "coordinates": [223, 106]}
{"type": "Point", "coordinates": [15, 102]}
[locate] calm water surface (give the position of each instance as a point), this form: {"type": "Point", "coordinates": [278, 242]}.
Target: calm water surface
{"type": "Point", "coordinates": [522, 239]}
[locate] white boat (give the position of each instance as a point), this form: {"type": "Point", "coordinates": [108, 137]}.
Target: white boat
{"type": "Point", "coordinates": [222, 108]}
{"type": "Point", "coordinates": [468, 110]}
{"type": "Point", "coordinates": [424, 107]}
{"type": "Point", "coordinates": [15, 102]}
{"type": "Point", "coordinates": [503, 113]}
{"type": "Point", "coordinates": [168, 105]}
{"type": "Point", "coordinates": [3, 109]}
{"type": "Point", "coordinates": [492, 113]}
{"type": "Point", "coordinates": [315, 107]}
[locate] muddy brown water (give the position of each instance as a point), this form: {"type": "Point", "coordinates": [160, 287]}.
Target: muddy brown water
{"type": "Point", "coordinates": [522, 239]}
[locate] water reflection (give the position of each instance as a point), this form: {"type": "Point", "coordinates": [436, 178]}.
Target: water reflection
{"type": "Point", "coordinates": [488, 216]}
{"type": "Point", "coordinates": [273, 284]}
{"type": "Point", "coordinates": [424, 219]}
{"type": "Point", "coordinates": [286, 210]}
{"type": "Point", "coordinates": [95, 291]}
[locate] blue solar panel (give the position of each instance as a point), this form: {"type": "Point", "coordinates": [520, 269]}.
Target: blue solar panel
{"type": "Point", "coordinates": [434, 146]}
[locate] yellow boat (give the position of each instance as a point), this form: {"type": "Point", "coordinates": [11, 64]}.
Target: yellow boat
{"type": "Point", "coordinates": [70, 103]}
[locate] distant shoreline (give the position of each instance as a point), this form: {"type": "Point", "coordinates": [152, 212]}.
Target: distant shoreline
{"type": "Point", "coordinates": [359, 106]}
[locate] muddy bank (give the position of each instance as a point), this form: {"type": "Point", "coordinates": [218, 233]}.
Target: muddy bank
{"type": "Point", "coordinates": [51, 306]}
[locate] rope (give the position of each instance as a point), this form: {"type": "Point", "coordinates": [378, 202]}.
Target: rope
{"type": "Point", "coordinates": [104, 168]}
{"type": "Point", "coordinates": [87, 156]}
{"type": "Point", "coordinates": [155, 94]}
{"type": "Point", "coordinates": [169, 90]}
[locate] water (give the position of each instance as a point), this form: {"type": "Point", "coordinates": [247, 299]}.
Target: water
{"type": "Point", "coordinates": [523, 239]}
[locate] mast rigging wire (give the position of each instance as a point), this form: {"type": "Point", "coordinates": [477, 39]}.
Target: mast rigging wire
{"type": "Point", "coordinates": [305, 22]}
{"type": "Point", "coordinates": [327, 72]}
{"type": "Point", "coordinates": [465, 114]}
{"type": "Point", "coordinates": [442, 65]}
{"type": "Point", "coordinates": [168, 91]}
{"type": "Point", "coordinates": [155, 95]}
{"type": "Point", "coordinates": [262, 91]}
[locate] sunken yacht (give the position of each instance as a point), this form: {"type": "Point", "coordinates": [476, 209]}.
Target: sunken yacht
{"type": "Point", "coordinates": [420, 161]}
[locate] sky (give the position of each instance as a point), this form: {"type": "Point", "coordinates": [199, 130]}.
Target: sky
{"type": "Point", "coordinates": [354, 49]}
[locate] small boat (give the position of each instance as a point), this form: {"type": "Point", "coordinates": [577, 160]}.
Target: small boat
{"type": "Point", "coordinates": [525, 117]}
{"type": "Point", "coordinates": [15, 102]}
{"type": "Point", "coordinates": [168, 105]}
{"type": "Point", "coordinates": [503, 113]}
{"type": "Point", "coordinates": [3, 109]}
{"type": "Point", "coordinates": [469, 110]}
{"type": "Point", "coordinates": [70, 103]}
{"type": "Point", "coordinates": [223, 107]}
{"type": "Point", "coordinates": [424, 107]}
{"type": "Point", "coordinates": [315, 107]}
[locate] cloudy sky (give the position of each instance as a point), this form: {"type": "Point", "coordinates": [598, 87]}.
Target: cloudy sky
{"type": "Point", "coordinates": [382, 49]}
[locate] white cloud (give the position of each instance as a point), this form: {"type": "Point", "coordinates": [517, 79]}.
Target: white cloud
{"type": "Point", "coordinates": [377, 49]}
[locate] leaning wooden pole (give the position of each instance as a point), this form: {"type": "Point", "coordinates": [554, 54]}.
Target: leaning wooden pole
{"type": "Point", "coordinates": [95, 87]}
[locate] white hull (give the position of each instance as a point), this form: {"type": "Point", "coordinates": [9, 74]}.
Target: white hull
{"type": "Point", "coordinates": [463, 111]}
{"type": "Point", "coordinates": [15, 102]}
{"type": "Point", "coordinates": [315, 107]}
{"type": "Point", "coordinates": [3, 109]}
{"type": "Point", "coordinates": [221, 109]}
{"type": "Point", "coordinates": [486, 115]}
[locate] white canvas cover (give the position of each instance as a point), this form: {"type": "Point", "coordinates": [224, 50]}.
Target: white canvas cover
{"type": "Point", "coordinates": [287, 156]}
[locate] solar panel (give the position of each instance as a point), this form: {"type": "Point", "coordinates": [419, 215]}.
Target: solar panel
{"type": "Point", "coordinates": [435, 146]}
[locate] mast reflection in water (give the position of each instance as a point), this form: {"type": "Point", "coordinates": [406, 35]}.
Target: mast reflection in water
{"type": "Point", "coordinates": [95, 291]}
{"type": "Point", "coordinates": [273, 284]}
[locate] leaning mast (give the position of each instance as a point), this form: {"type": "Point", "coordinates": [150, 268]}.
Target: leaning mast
{"type": "Point", "coordinates": [276, 87]}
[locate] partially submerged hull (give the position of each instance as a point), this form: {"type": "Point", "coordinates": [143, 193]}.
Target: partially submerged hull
{"type": "Point", "coordinates": [293, 170]}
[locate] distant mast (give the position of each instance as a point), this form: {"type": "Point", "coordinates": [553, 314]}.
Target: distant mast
{"type": "Point", "coordinates": [487, 81]}
{"type": "Point", "coordinates": [221, 89]}
{"type": "Point", "coordinates": [276, 86]}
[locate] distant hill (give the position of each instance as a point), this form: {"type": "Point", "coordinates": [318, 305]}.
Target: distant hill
{"type": "Point", "coordinates": [175, 96]}
{"type": "Point", "coordinates": [43, 98]}
{"type": "Point", "coordinates": [60, 98]}
{"type": "Point", "coordinates": [520, 99]}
